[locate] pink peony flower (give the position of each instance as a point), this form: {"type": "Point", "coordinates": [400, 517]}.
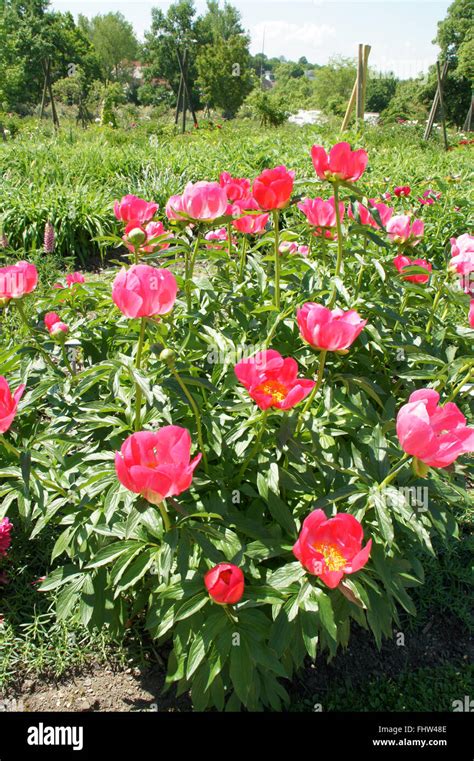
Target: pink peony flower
{"type": "Point", "coordinates": [203, 201]}
{"type": "Point", "coordinates": [321, 214]}
{"type": "Point", "coordinates": [157, 464]}
{"type": "Point", "coordinates": [252, 224]}
{"type": "Point", "coordinates": [236, 188]}
{"type": "Point", "coordinates": [429, 197]}
{"type": "Point", "coordinates": [341, 164]}
{"type": "Point", "coordinates": [54, 326]}
{"type": "Point", "coordinates": [401, 230]}
{"type": "Point", "coordinates": [148, 233]}
{"type": "Point", "coordinates": [272, 188]}
{"type": "Point", "coordinates": [402, 191]}
{"type": "Point", "coordinates": [133, 209]}
{"type": "Point", "coordinates": [225, 583]}
{"type": "Point", "coordinates": [8, 404]}
{"type": "Point", "coordinates": [144, 291]}
{"type": "Point", "coordinates": [5, 538]}
{"type": "Point", "coordinates": [462, 254]}
{"type": "Point", "coordinates": [329, 330]}
{"type": "Point", "coordinates": [436, 435]}
{"type": "Point", "coordinates": [331, 547]}
{"type": "Point", "coordinates": [272, 381]}
{"type": "Point", "coordinates": [174, 207]}
{"type": "Point", "coordinates": [17, 280]}
{"type": "Point", "coordinates": [75, 277]}
{"type": "Point", "coordinates": [401, 262]}
{"type": "Point", "coordinates": [471, 313]}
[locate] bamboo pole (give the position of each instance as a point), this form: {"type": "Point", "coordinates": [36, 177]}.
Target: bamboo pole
{"type": "Point", "coordinates": [441, 104]}
{"type": "Point", "coordinates": [185, 84]}
{"type": "Point", "coordinates": [367, 50]}
{"type": "Point", "coordinates": [434, 106]}
{"type": "Point", "coordinates": [360, 83]}
{"type": "Point", "coordinates": [183, 73]}
{"type": "Point", "coordinates": [350, 106]}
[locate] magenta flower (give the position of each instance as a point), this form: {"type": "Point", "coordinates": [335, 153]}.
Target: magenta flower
{"type": "Point", "coordinates": [340, 164]}
{"type": "Point", "coordinates": [272, 380]}
{"type": "Point", "coordinates": [5, 538]}
{"type": "Point", "coordinates": [436, 435]}
{"type": "Point", "coordinates": [329, 330]}
{"type": "Point", "coordinates": [401, 262]}
{"type": "Point", "coordinates": [134, 209]}
{"type": "Point", "coordinates": [402, 230]}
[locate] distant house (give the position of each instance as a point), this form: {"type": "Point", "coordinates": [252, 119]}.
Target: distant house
{"type": "Point", "coordinates": [268, 80]}
{"type": "Point", "coordinates": [138, 70]}
{"type": "Point", "coordinates": [309, 74]}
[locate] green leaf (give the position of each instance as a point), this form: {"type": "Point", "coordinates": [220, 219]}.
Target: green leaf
{"type": "Point", "coordinates": [191, 606]}
{"type": "Point", "coordinates": [136, 570]}
{"type": "Point", "coordinates": [112, 551]}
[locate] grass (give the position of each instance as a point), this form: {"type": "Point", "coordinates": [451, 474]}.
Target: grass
{"type": "Point", "coordinates": [71, 179]}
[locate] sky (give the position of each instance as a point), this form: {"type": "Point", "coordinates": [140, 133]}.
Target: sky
{"type": "Point", "coordinates": [399, 31]}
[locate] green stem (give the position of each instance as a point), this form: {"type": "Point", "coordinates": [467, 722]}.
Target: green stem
{"type": "Point", "coordinates": [165, 516]}
{"type": "Point", "coordinates": [66, 360]}
{"type": "Point", "coordinates": [43, 353]}
{"type": "Point", "coordinates": [403, 306]}
{"type": "Point", "coordinates": [9, 447]}
{"type": "Point", "coordinates": [309, 401]}
{"type": "Point", "coordinates": [395, 470]}
{"type": "Point", "coordinates": [229, 239]}
{"type": "Point", "coordinates": [189, 276]}
{"type": "Point", "coordinates": [276, 227]}
{"type": "Point", "coordinates": [460, 385]}
{"type": "Point", "coordinates": [229, 614]}
{"type": "Point", "coordinates": [138, 363]}
{"type": "Point", "coordinates": [340, 244]}
{"type": "Point", "coordinates": [197, 415]}
{"type": "Point", "coordinates": [439, 293]}
{"type": "Point", "coordinates": [359, 279]}
{"type": "Point", "coordinates": [243, 257]}
{"type": "Point", "coordinates": [255, 445]}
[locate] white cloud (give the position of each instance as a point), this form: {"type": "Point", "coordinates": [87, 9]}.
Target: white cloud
{"type": "Point", "coordinates": [311, 35]}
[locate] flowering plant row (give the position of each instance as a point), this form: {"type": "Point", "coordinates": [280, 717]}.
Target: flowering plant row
{"type": "Point", "coordinates": [247, 437]}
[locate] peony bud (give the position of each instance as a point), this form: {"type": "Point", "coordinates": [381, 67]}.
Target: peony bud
{"type": "Point", "coordinates": [137, 236]}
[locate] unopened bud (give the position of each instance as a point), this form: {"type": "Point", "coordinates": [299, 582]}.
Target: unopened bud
{"type": "Point", "coordinates": [137, 236]}
{"type": "Point", "coordinates": [168, 356]}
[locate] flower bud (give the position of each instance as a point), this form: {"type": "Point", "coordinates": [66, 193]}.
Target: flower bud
{"type": "Point", "coordinates": [168, 356]}
{"type": "Point", "coordinates": [137, 236]}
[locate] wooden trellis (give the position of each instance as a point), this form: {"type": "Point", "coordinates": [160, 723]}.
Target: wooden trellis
{"type": "Point", "coordinates": [184, 98]}
{"type": "Point", "coordinates": [438, 103]}
{"type": "Point", "coordinates": [48, 90]}
{"type": "Point", "coordinates": [360, 88]}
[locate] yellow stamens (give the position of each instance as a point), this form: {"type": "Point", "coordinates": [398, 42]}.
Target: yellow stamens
{"type": "Point", "coordinates": [333, 557]}
{"type": "Point", "coordinates": [278, 391]}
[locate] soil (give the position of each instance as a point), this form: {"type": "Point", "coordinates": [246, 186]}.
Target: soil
{"type": "Point", "coordinates": [104, 688]}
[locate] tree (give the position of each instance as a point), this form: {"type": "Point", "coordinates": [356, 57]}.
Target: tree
{"type": "Point", "coordinates": [456, 39]}
{"type": "Point", "coordinates": [380, 91]}
{"type": "Point", "coordinates": [215, 43]}
{"type": "Point", "coordinates": [169, 32]}
{"type": "Point", "coordinates": [218, 23]}
{"type": "Point", "coordinates": [114, 41]}
{"type": "Point", "coordinates": [29, 35]}
{"type": "Point", "coordinates": [224, 71]}
{"type": "Point", "coordinates": [407, 102]}
{"type": "Point", "coordinates": [333, 84]}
